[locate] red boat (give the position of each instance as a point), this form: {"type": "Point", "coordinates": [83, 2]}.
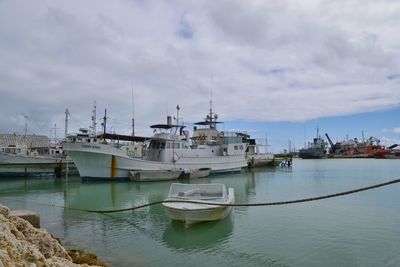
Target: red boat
{"type": "Point", "coordinates": [388, 153]}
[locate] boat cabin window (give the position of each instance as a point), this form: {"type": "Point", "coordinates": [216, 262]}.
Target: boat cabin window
{"type": "Point", "coordinates": [241, 147]}
{"type": "Point", "coordinates": [236, 147]}
{"type": "Point", "coordinates": [155, 144]}
{"type": "Point", "coordinates": [168, 145]}
{"type": "Point", "coordinates": [177, 145]}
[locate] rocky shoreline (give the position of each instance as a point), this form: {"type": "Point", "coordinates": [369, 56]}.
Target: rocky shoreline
{"type": "Point", "coordinates": [21, 244]}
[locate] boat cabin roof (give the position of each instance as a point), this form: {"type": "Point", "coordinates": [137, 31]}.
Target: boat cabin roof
{"type": "Point", "coordinates": [123, 137]}
{"type": "Point", "coordinates": [243, 134]}
{"type": "Point", "coordinates": [206, 122]}
{"type": "Point", "coordinates": [166, 126]}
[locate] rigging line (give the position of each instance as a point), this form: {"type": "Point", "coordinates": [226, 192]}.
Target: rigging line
{"type": "Point", "coordinates": [240, 204]}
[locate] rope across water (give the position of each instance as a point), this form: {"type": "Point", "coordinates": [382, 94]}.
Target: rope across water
{"type": "Point", "coordinates": [287, 202]}
{"type": "Point", "coordinates": [254, 204]}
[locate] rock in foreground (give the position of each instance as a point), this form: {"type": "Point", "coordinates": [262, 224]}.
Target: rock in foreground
{"type": "Point", "coordinates": [21, 244]}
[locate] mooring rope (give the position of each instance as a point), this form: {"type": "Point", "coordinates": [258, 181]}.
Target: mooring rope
{"type": "Point", "coordinates": [287, 202]}
{"type": "Point", "coordinates": [255, 204]}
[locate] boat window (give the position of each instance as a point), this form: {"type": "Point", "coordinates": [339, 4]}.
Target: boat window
{"type": "Point", "coordinates": [194, 192]}
{"type": "Point", "coordinates": [168, 145]}
{"type": "Point", "coordinates": [162, 145]}
{"type": "Point", "coordinates": [241, 147]}
{"type": "Point", "coordinates": [154, 144]}
{"type": "Point", "coordinates": [236, 147]}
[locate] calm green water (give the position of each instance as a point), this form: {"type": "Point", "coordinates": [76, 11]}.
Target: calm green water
{"type": "Point", "coordinates": [356, 230]}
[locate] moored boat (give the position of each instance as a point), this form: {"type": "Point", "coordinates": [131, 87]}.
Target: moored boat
{"type": "Point", "coordinates": [21, 165]}
{"type": "Point", "coordinates": [314, 150]}
{"type": "Point", "coordinates": [199, 194]}
{"type": "Point", "coordinates": [169, 148]}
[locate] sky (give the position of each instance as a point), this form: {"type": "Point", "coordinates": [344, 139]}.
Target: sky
{"type": "Point", "coordinates": [275, 69]}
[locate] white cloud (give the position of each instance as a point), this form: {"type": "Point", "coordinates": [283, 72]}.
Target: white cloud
{"type": "Point", "coordinates": [394, 130]}
{"type": "Point", "coordinates": [264, 60]}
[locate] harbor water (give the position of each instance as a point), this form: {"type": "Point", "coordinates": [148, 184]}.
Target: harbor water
{"type": "Point", "coordinates": [362, 229]}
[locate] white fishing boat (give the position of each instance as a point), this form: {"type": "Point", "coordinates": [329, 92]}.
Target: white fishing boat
{"type": "Point", "coordinates": [199, 194]}
{"type": "Point", "coordinates": [169, 148]}
{"type": "Point", "coordinates": [154, 175]}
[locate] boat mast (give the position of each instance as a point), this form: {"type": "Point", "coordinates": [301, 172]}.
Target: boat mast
{"type": "Point", "coordinates": [211, 112]}
{"type": "Point", "coordinates": [133, 113]}
{"type": "Point", "coordinates": [104, 124]}
{"type": "Point", "coordinates": [66, 122]}
{"type": "Point", "coordinates": [55, 132]}
{"type": "Point", "coordinates": [94, 119]}
{"type": "Point", "coordinates": [26, 126]}
{"type": "Point", "coordinates": [362, 132]}
{"type": "Point", "coordinates": [177, 114]}
{"type": "Point", "coordinates": [26, 131]}
{"type": "Point", "coordinates": [212, 118]}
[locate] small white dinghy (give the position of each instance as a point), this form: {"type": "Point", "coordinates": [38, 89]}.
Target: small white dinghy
{"type": "Point", "coordinates": [191, 213]}
{"type": "Point", "coordinates": [154, 175]}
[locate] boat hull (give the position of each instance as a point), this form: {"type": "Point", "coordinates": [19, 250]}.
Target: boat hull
{"type": "Point", "coordinates": [23, 166]}
{"type": "Point", "coordinates": [192, 213]}
{"type": "Point", "coordinates": [263, 160]}
{"type": "Point", "coordinates": [312, 153]}
{"type": "Point", "coordinates": [149, 176]}
{"type": "Point", "coordinates": [197, 216]}
{"type": "Point", "coordinates": [199, 173]}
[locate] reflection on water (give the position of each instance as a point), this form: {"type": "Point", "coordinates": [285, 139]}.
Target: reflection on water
{"type": "Point", "coordinates": [355, 230]}
{"type": "Point", "coordinates": [198, 237]}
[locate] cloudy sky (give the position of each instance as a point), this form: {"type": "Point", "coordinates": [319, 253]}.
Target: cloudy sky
{"type": "Point", "coordinates": [276, 68]}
